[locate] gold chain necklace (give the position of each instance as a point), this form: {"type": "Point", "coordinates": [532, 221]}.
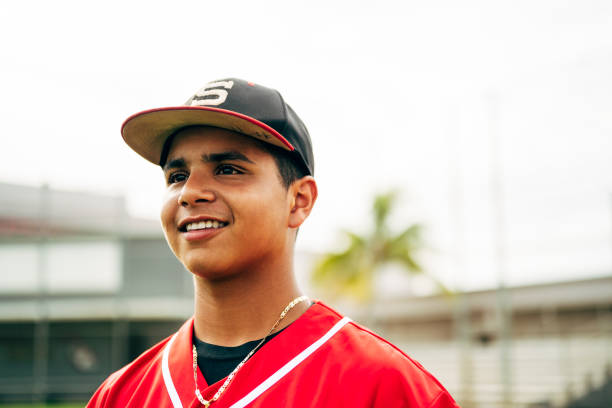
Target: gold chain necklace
{"type": "Point", "coordinates": [231, 376]}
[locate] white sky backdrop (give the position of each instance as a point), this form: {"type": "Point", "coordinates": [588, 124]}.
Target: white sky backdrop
{"type": "Point", "coordinates": [400, 94]}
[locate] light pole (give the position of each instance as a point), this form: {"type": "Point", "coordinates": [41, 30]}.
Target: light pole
{"type": "Point", "coordinates": [499, 239]}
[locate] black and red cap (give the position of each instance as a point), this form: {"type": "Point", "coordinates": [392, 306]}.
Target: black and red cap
{"type": "Point", "coordinates": [232, 104]}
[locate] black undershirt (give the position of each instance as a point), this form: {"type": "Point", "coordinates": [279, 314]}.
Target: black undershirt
{"type": "Point", "coordinates": [216, 362]}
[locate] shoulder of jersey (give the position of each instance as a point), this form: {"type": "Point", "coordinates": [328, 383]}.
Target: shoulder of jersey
{"type": "Point", "coordinates": [374, 357]}
{"type": "Point", "coordinates": [130, 376]}
{"type": "Point", "coordinates": [369, 344]}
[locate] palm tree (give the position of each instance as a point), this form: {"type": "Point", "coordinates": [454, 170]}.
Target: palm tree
{"type": "Point", "coordinates": [351, 272]}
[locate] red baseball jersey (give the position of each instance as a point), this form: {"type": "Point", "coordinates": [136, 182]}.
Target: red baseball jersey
{"type": "Point", "coordinates": [321, 360]}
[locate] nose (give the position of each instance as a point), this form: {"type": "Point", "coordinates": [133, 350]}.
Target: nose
{"type": "Point", "coordinates": [195, 191]}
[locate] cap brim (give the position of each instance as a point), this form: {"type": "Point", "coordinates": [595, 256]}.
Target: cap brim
{"type": "Point", "coordinates": [146, 132]}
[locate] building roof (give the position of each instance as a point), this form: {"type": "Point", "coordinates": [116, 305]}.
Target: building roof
{"type": "Point", "coordinates": [571, 295]}
{"type": "Point", "coordinates": [34, 212]}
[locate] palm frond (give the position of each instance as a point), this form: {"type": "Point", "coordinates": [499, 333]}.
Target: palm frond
{"type": "Point", "coordinates": [383, 204]}
{"type": "Point", "coordinates": [351, 272]}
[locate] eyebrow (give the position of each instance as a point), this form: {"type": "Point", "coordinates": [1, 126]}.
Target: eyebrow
{"type": "Point", "coordinates": [209, 158]}
{"type": "Point", "coordinates": [174, 164]}
{"type": "Point", "coordinates": [223, 156]}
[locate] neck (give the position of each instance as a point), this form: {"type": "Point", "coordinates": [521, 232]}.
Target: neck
{"type": "Point", "coordinates": [244, 307]}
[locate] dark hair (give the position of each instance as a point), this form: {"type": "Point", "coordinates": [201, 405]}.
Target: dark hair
{"type": "Point", "coordinates": [289, 169]}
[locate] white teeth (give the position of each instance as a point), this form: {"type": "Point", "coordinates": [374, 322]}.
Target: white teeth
{"type": "Point", "coordinates": [204, 225]}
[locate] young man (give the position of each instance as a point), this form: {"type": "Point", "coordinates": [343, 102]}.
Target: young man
{"type": "Point", "coordinates": [238, 166]}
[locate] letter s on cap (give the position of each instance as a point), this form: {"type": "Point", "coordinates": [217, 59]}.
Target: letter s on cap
{"type": "Point", "coordinates": [210, 94]}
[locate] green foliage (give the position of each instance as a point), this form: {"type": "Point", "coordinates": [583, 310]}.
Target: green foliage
{"type": "Point", "coordinates": [351, 272]}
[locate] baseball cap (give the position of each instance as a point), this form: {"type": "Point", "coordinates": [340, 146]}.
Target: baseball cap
{"type": "Point", "coordinates": [233, 104]}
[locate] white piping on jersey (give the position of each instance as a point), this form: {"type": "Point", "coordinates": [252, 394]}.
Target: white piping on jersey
{"type": "Point", "coordinates": [284, 370]}
{"type": "Point", "coordinates": [261, 388]}
{"type": "Point", "coordinates": [174, 397]}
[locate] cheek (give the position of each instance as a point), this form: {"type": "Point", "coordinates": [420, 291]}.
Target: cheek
{"type": "Point", "coordinates": [168, 213]}
{"type": "Point", "coordinates": [269, 215]}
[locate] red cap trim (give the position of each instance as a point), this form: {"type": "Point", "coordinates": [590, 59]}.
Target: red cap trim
{"type": "Point", "coordinates": [223, 111]}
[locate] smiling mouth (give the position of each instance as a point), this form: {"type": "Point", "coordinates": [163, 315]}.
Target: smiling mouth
{"type": "Point", "coordinates": [202, 225]}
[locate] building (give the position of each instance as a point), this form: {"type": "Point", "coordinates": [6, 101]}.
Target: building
{"type": "Point", "coordinates": [559, 347]}
{"type": "Point", "coordinates": [70, 312]}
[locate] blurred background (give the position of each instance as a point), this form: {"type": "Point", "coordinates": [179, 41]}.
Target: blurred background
{"type": "Point", "coordinates": [462, 156]}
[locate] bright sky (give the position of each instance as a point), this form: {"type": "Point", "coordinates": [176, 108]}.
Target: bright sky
{"type": "Point", "coordinates": [412, 95]}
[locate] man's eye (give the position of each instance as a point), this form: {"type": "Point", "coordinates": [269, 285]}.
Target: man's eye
{"type": "Point", "coordinates": [226, 169]}
{"type": "Point", "coordinates": [177, 177]}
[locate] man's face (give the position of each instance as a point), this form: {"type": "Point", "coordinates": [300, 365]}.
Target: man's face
{"type": "Point", "coordinates": [225, 210]}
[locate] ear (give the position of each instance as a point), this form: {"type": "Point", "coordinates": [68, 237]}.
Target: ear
{"type": "Point", "coordinates": [303, 196]}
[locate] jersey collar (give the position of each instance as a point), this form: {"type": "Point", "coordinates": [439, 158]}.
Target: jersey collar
{"type": "Point", "coordinates": [299, 339]}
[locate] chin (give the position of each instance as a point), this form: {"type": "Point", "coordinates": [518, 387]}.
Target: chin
{"type": "Point", "coordinates": [210, 271]}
